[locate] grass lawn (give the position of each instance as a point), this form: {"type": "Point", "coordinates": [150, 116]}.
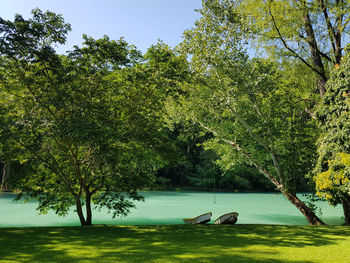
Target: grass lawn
{"type": "Point", "coordinates": [176, 243]}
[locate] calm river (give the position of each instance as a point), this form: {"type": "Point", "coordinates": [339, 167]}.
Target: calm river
{"type": "Point", "coordinates": [171, 207]}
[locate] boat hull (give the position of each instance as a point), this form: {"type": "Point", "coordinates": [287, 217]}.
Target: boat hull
{"type": "Point", "coordinates": [201, 219]}
{"type": "Point", "coordinates": [227, 219]}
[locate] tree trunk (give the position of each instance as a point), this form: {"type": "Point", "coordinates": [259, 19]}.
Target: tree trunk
{"type": "Point", "coordinates": [321, 83]}
{"type": "Point", "coordinates": [4, 175]}
{"type": "Point", "coordinates": [346, 209]}
{"type": "Point", "coordinates": [315, 53]}
{"type": "Point", "coordinates": [310, 216]}
{"type": "Point", "coordinates": [80, 212]}
{"type": "Point", "coordinates": [88, 209]}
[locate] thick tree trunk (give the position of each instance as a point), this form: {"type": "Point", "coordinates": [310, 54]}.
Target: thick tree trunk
{"type": "Point", "coordinates": [80, 212]}
{"type": "Point", "coordinates": [315, 53]}
{"type": "Point", "coordinates": [321, 83]}
{"type": "Point", "coordinates": [88, 209]}
{"type": "Point", "coordinates": [310, 216]}
{"type": "Point", "coordinates": [346, 209]}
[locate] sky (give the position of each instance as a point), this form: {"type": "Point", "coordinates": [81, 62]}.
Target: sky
{"type": "Point", "coordinates": [141, 22]}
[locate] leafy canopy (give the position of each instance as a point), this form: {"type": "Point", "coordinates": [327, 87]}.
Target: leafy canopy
{"type": "Point", "coordinates": [333, 144]}
{"type": "Point", "coordinates": [85, 125]}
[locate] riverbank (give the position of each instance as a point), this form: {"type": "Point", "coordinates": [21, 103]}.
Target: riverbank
{"type": "Point", "coordinates": [176, 243]}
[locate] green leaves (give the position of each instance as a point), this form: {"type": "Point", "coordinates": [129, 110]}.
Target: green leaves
{"type": "Point", "coordinates": [30, 38]}
{"type": "Point", "coordinates": [89, 123]}
{"type": "Point", "coordinates": [252, 107]}
{"type": "Point", "coordinates": [334, 121]}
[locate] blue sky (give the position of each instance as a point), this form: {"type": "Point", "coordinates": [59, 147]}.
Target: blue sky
{"type": "Point", "coordinates": [140, 22]}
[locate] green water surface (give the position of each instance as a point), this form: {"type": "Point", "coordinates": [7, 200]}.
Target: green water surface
{"type": "Point", "coordinates": [170, 207]}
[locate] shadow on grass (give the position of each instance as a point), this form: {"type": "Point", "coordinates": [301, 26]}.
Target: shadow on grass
{"type": "Point", "coordinates": [280, 218]}
{"type": "Point", "coordinates": [171, 243]}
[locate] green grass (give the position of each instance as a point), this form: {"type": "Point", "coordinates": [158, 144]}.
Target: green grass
{"type": "Point", "coordinates": [176, 243]}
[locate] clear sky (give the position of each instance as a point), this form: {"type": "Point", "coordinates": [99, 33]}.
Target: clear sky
{"type": "Point", "coordinates": [140, 22]}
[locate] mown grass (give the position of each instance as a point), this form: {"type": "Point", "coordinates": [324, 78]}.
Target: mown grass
{"type": "Point", "coordinates": [176, 243]}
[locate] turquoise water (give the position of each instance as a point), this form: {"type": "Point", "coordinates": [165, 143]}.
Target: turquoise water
{"type": "Point", "coordinates": [171, 207]}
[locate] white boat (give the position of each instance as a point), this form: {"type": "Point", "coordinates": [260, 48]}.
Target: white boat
{"type": "Point", "coordinates": [202, 219]}
{"type": "Point", "coordinates": [229, 218]}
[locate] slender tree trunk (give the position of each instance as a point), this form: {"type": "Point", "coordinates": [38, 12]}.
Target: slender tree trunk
{"type": "Point", "coordinates": [88, 209]}
{"type": "Point", "coordinates": [4, 175]}
{"type": "Point", "coordinates": [292, 185]}
{"type": "Point", "coordinates": [310, 216]}
{"type": "Point", "coordinates": [346, 209]}
{"type": "Point", "coordinates": [80, 212]}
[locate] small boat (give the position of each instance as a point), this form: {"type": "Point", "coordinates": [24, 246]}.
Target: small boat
{"type": "Point", "coordinates": [229, 219]}
{"type": "Point", "coordinates": [202, 219]}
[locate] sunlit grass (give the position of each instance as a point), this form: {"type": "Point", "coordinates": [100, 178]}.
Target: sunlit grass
{"type": "Point", "coordinates": [176, 243]}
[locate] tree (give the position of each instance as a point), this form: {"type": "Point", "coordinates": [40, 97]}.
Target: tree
{"type": "Point", "coordinates": [75, 125]}
{"type": "Point", "coordinates": [197, 167]}
{"type": "Point", "coordinates": [244, 104]}
{"type": "Point", "coordinates": [313, 32]}
{"type": "Point", "coordinates": [332, 170]}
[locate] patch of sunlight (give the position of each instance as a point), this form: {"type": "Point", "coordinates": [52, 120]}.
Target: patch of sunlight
{"type": "Point", "coordinates": [310, 253]}
{"type": "Point", "coordinates": [54, 232]}
{"type": "Point", "coordinates": [17, 231]}
{"type": "Point", "coordinates": [181, 260]}
{"type": "Point", "coordinates": [79, 249]}
{"type": "Point", "coordinates": [203, 252]}
{"type": "Point", "coordinates": [119, 249]}
{"type": "Point", "coordinates": [125, 239]}
{"type": "Point", "coordinates": [145, 230]}
{"type": "Point", "coordinates": [159, 243]}
{"type": "Point", "coordinates": [248, 235]}
{"type": "Point", "coordinates": [257, 251]}
{"type": "Point", "coordinates": [188, 256]}
{"type": "Point", "coordinates": [18, 257]}
{"type": "Point", "coordinates": [74, 250]}
{"type": "Point", "coordinates": [83, 253]}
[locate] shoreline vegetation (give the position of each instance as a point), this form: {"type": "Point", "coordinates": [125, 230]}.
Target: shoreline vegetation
{"type": "Point", "coordinates": [176, 243]}
{"type": "Point", "coordinates": [185, 189]}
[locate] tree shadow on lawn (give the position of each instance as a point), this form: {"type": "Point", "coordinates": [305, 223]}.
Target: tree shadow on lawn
{"type": "Point", "coordinates": [166, 243]}
{"type": "Point", "coordinates": [281, 219]}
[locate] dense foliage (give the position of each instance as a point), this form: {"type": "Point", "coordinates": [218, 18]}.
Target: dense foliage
{"type": "Point", "coordinates": [247, 105]}
{"type": "Point", "coordinates": [85, 126]}
{"type": "Point", "coordinates": [95, 125]}
{"type": "Point", "coordinates": [334, 143]}
{"type": "Point", "coordinates": [312, 32]}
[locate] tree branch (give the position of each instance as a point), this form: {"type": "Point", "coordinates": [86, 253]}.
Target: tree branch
{"type": "Point", "coordinates": [295, 54]}
{"type": "Point", "coordinates": [331, 33]}
{"type": "Point", "coordinates": [265, 172]}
